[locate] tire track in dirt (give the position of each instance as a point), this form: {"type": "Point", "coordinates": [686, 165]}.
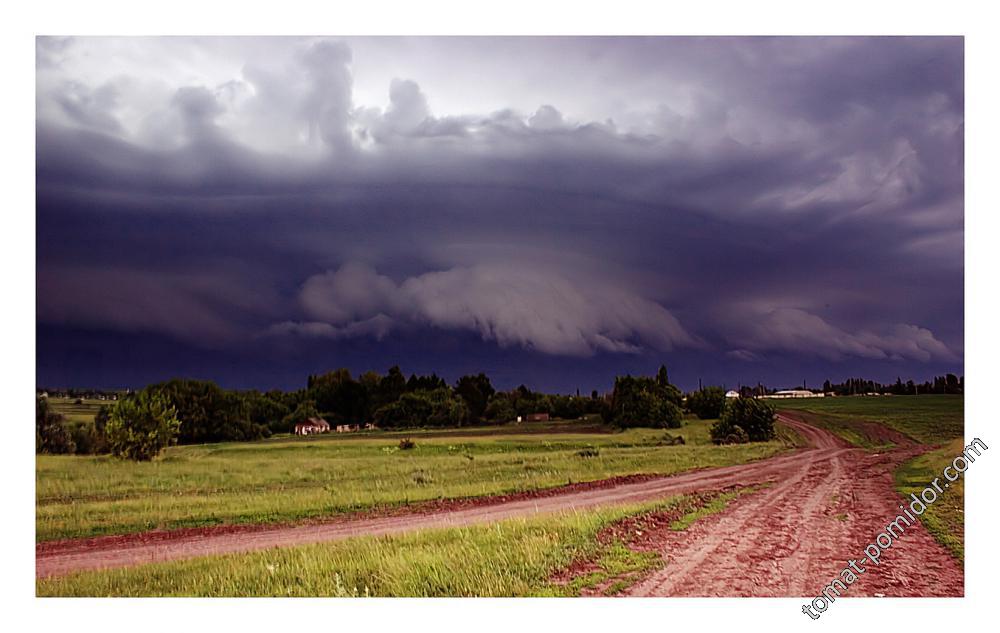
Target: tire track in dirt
{"type": "Point", "coordinates": [795, 537]}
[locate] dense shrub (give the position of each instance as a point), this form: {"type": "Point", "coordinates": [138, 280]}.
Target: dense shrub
{"type": "Point", "coordinates": [707, 403]}
{"type": "Point", "coordinates": [142, 425]}
{"type": "Point", "coordinates": [744, 420]}
{"type": "Point", "coordinates": [87, 438]}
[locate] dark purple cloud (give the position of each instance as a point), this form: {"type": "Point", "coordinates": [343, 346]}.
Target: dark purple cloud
{"type": "Point", "coordinates": [746, 202]}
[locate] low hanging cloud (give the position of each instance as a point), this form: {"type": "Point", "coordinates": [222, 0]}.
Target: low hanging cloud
{"type": "Point", "coordinates": [796, 330]}
{"type": "Point", "coordinates": [512, 306]}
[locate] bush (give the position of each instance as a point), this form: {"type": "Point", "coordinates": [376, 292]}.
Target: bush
{"type": "Point", "coordinates": [707, 403]}
{"type": "Point", "coordinates": [51, 434]}
{"type": "Point", "coordinates": [141, 426]}
{"type": "Point", "coordinates": [744, 420]}
{"type": "Point", "coordinates": [406, 444]}
{"type": "Point", "coordinates": [88, 438]}
{"type": "Point", "coordinates": [590, 451]}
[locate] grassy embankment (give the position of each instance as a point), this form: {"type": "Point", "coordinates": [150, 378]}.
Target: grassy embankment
{"type": "Point", "coordinates": [289, 479]}
{"type": "Point", "coordinates": [517, 557]}
{"type": "Point", "coordinates": [934, 420]}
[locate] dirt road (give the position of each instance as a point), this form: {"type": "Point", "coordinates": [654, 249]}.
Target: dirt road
{"type": "Point", "coordinates": [779, 532]}
{"type": "Point", "coordinates": [794, 537]}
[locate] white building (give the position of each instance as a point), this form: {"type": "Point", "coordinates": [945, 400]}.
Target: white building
{"type": "Point", "coordinates": [794, 393]}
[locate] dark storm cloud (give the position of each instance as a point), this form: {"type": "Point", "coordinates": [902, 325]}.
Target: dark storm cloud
{"type": "Point", "coordinates": [747, 198]}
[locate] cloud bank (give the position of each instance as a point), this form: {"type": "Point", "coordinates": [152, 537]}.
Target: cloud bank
{"type": "Point", "coordinates": [757, 200]}
{"type": "Point", "coordinates": [510, 306]}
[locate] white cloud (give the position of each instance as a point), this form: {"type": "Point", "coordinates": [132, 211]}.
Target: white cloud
{"type": "Point", "coordinates": [511, 305]}
{"type": "Point", "coordinates": [795, 330]}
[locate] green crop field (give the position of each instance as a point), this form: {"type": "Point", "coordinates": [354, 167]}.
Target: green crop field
{"type": "Point", "coordinates": [517, 557]}
{"type": "Point", "coordinates": [290, 478]}
{"type": "Point", "coordinates": [931, 419]}
{"type": "Point", "coordinates": [77, 412]}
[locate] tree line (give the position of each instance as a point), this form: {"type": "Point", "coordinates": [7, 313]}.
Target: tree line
{"type": "Point", "coordinates": [138, 425]}
{"type": "Point", "coordinates": [184, 411]}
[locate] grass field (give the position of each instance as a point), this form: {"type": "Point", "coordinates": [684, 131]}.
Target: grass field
{"type": "Point", "coordinates": [73, 412]}
{"type": "Point", "coordinates": [288, 479]}
{"type": "Point", "coordinates": [518, 557]}
{"type": "Point", "coordinates": [930, 419]}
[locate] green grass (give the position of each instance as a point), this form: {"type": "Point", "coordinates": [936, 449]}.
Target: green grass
{"type": "Point", "coordinates": [930, 419]}
{"type": "Point", "coordinates": [288, 479]}
{"type": "Point", "coordinates": [516, 557]}
{"type": "Point", "coordinates": [945, 518]}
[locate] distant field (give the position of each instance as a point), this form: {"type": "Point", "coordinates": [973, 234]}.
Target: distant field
{"type": "Point", "coordinates": [74, 412]}
{"type": "Point", "coordinates": [287, 478]}
{"type": "Point", "coordinates": [517, 557]}
{"type": "Point", "coordinates": [931, 419]}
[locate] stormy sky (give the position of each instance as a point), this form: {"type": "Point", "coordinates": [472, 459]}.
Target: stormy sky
{"type": "Point", "coordinates": [554, 211]}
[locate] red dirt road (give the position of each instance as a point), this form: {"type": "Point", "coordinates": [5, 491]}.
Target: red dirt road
{"type": "Point", "coordinates": [793, 538]}
{"type": "Point", "coordinates": [782, 541]}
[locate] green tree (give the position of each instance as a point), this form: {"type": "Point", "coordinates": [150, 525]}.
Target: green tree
{"type": "Point", "coordinates": [744, 420]}
{"type": "Point", "coordinates": [644, 402]}
{"type": "Point", "coordinates": [339, 396]}
{"type": "Point", "coordinates": [142, 425]}
{"type": "Point", "coordinates": [209, 413]}
{"type": "Point", "coordinates": [51, 434]}
{"type": "Point", "coordinates": [499, 409]}
{"type": "Point", "coordinates": [707, 403]}
{"type": "Point", "coordinates": [476, 392]}
{"type": "Point", "coordinates": [423, 408]}
{"type": "Point", "coordinates": [305, 410]}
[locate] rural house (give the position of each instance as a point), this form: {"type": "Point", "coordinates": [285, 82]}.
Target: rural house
{"type": "Point", "coordinates": [312, 426]}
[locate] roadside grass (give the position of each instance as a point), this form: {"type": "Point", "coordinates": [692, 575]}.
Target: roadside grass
{"type": "Point", "coordinates": [930, 419]}
{"type": "Point", "coordinates": [288, 479]}
{"type": "Point", "coordinates": [515, 557]}
{"type": "Point", "coordinates": [945, 518]}
{"type": "Point", "coordinates": [714, 506]}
